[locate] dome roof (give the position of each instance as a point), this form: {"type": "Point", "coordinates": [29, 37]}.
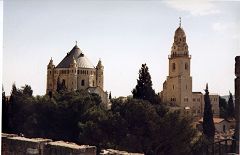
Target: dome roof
{"type": "Point", "coordinates": [179, 32]}
{"type": "Point", "coordinates": [81, 59]}
{"type": "Point", "coordinates": [84, 62]}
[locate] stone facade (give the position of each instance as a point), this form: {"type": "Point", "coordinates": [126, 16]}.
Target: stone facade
{"type": "Point", "coordinates": [237, 99]}
{"type": "Point", "coordinates": [76, 72]}
{"type": "Point", "coordinates": [177, 89]}
{"type": "Point", "coordinates": [15, 145]}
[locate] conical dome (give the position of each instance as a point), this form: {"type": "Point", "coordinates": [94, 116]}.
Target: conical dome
{"type": "Point", "coordinates": [81, 60]}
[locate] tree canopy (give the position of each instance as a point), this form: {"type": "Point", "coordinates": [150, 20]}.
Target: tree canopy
{"type": "Point", "coordinates": [133, 125]}
{"type": "Point", "coordinates": [143, 89]}
{"type": "Point", "coordinates": [230, 106]}
{"type": "Point", "coordinates": [208, 124]}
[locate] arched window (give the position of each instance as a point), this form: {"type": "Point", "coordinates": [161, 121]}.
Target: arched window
{"type": "Point", "coordinates": [173, 66]}
{"type": "Point", "coordinates": [186, 66]}
{"type": "Point", "coordinates": [83, 83]}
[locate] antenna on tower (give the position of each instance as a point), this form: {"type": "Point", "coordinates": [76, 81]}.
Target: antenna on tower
{"type": "Point", "coordinates": [76, 42]}
{"type": "Point", "coordinates": [180, 21]}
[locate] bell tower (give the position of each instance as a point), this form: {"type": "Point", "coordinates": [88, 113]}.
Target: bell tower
{"type": "Point", "coordinates": [177, 89]}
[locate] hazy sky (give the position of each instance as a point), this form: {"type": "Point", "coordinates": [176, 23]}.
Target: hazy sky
{"type": "Point", "coordinates": [124, 34]}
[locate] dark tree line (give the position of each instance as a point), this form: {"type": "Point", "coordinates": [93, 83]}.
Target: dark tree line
{"type": "Point", "coordinates": [138, 124]}
{"type": "Point", "coordinates": [227, 107]}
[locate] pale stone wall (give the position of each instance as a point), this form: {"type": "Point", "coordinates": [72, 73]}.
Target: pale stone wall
{"type": "Point", "coordinates": [65, 148]}
{"type": "Point", "coordinates": [73, 78]}
{"type": "Point", "coordinates": [16, 145]}
{"type": "Point", "coordinates": [215, 105]}
{"type": "Point", "coordinates": [197, 104]}
{"type": "Point", "coordinates": [117, 152]}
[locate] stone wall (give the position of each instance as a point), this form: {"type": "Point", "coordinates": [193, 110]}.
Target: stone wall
{"type": "Point", "coordinates": [64, 148]}
{"type": "Point", "coordinates": [237, 98]}
{"type": "Point", "coordinates": [16, 145]}
{"type": "Point", "coordinates": [117, 152]}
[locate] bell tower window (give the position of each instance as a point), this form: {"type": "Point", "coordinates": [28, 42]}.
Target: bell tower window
{"type": "Point", "coordinates": [173, 66]}
{"type": "Point", "coordinates": [186, 66]}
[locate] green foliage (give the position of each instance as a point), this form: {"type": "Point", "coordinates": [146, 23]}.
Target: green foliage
{"type": "Point", "coordinates": [27, 90]}
{"type": "Point", "coordinates": [145, 129]}
{"type": "Point", "coordinates": [143, 89]}
{"type": "Point", "coordinates": [208, 124]}
{"type": "Point", "coordinates": [110, 96]}
{"type": "Point", "coordinates": [133, 125]}
{"type": "Point", "coordinates": [223, 107]}
{"type": "Point", "coordinates": [230, 107]}
{"type": "Point", "coordinates": [5, 119]}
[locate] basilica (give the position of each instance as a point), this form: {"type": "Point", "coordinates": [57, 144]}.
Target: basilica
{"type": "Point", "coordinates": [177, 88]}
{"type": "Point", "coordinates": [76, 72]}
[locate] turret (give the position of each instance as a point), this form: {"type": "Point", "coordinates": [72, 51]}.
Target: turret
{"type": "Point", "coordinates": [50, 77]}
{"type": "Point", "coordinates": [72, 82]}
{"type": "Point", "coordinates": [99, 74]}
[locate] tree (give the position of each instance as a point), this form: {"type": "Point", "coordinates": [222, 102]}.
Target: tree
{"type": "Point", "coordinates": [27, 90]}
{"type": "Point", "coordinates": [142, 129]}
{"type": "Point", "coordinates": [110, 96]}
{"type": "Point", "coordinates": [230, 106]}
{"type": "Point", "coordinates": [223, 107]}
{"type": "Point", "coordinates": [5, 127]}
{"type": "Point", "coordinates": [143, 89]}
{"type": "Point", "coordinates": [208, 124]}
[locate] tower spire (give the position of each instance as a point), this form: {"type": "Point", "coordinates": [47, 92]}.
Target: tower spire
{"type": "Point", "coordinates": [76, 43]}
{"type": "Point", "coordinates": [180, 21]}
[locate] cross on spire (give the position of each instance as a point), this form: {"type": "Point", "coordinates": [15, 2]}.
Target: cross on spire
{"type": "Point", "coordinates": [76, 43]}
{"type": "Point", "coordinates": [180, 21]}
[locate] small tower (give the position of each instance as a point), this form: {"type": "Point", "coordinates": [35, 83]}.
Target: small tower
{"type": "Point", "coordinates": [50, 77]}
{"type": "Point", "coordinates": [99, 74]}
{"type": "Point", "coordinates": [72, 82]}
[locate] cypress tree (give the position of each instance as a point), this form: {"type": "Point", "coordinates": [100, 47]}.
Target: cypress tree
{"type": "Point", "coordinates": [110, 96]}
{"type": "Point", "coordinates": [4, 112]}
{"type": "Point", "coordinates": [208, 124]}
{"type": "Point", "coordinates": [230, 106]}
{"type": "Point", "coordinates": [143, 89]}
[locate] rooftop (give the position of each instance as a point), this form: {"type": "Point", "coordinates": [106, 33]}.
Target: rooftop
{"type": "Point", "coordinates": [77, 54]}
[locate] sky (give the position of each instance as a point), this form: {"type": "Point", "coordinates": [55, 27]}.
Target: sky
{"type": "Point", "coordinates": [122, 33]}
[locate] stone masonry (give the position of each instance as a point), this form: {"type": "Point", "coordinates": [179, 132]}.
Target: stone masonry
{"type": "Point", "coordinates": [16, 145]}
{"type": "Point", "coordinates": [237, 99]}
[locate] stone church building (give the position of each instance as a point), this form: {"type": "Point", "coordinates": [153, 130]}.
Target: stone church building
{"type": "Point", "coordinates": [177, 88]}
{"type": "Point", "coordinates": [76, 72]}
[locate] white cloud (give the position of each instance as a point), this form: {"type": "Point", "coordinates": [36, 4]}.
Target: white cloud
{"type": "Point", "coordinates": [194, 7]}
{"type": "Point", "coordinates": [231, 29]}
